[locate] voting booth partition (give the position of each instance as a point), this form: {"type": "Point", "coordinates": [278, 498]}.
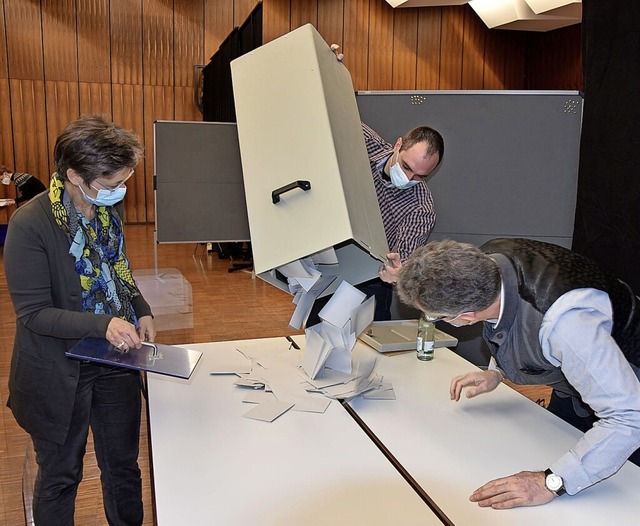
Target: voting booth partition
{"type": "Point", "coordinates": [510, 167]}
{"type": "Point", "coordinates": [198, 183]}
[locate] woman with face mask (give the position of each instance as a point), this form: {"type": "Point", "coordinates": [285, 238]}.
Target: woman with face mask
{"type": "Point", "coordinates": [69, 277]}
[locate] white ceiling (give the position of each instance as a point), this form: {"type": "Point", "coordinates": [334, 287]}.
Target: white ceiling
{"type": "Point", "coordinates": [523, 15]}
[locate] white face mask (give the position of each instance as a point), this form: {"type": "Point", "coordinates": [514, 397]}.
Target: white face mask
{"type": "Point", "coordinates": [460, 323]}
{"type": "Point", "coordinates": [398, 178]}
{"type": "Point", "coordinates": [457, 322]}
{"type": "Point", "coordinates": [6, 180]}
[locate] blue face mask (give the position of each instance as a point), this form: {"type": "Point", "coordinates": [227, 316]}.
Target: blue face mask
{"type": "Point", "coordinates": [398, 178]}
{"type": "Point", "coordinates": [106, 197]}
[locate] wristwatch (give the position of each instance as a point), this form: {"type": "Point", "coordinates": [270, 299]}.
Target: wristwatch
{"type": "Point", "coordinates": [554, 483]}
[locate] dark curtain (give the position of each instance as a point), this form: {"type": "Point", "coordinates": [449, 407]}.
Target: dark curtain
{"type": "Point", "coordinates": [217, 97]}
{"type": "Point", "coordinates": [607, 226]}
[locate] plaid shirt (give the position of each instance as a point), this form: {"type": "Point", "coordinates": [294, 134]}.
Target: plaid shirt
{"type": "Point", "coordinates": [408, 215]}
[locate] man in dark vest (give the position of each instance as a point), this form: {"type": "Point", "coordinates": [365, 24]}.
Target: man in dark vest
{"type": "Point", "coordinates": [550, 317]}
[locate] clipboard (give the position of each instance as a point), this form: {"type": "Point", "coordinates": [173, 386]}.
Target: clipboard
{"type": "Point", "coordinates": [151, 357]}
{"type": "Point", "coordinates": [400, 335]}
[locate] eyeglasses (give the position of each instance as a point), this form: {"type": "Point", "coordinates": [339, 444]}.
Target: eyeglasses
{"type": "Point", "coordinates": [448, 318]}
{"type": "Point", "coordinates": [112, 189]}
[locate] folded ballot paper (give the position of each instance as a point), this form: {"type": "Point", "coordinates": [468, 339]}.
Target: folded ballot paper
{"type": "Point", "coordinates": [152, 357]}
{"type": "Point", "coordinates": [281, 379]}
{"type": "Point", "coordinates": [306, 283]}
{"type": "Point", "coordinates": [330, 342]}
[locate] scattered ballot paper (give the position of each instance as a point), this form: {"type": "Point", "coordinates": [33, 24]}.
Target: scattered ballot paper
{"type": "Point", "coordinates": [278, 379]}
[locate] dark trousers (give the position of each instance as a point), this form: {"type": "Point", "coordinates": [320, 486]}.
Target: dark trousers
{"type": "Point", "coordinates": [108, 399]}
{"type": "Point", "coordinates": [563, 407]}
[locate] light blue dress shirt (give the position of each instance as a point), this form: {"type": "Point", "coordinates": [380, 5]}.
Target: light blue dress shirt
{"type": "Point", "coordinates": [575, 335]}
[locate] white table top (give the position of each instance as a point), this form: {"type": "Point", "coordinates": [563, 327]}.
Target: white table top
{"type": "Point", "coordinates": [452, 448]}
{"type": "Point", "coordinates": [213, 466]}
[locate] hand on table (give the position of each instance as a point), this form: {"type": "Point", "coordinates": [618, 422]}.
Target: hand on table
{"type": "Point", "coordinates": [526, 488]}
{"type": "Point", "coordinates": [389, 272]}
{"type": "Point", "coordinates": [478, 382]}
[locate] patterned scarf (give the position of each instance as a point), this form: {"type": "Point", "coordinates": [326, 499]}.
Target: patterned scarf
{"type": "Point", "coordinates": [105, 277]}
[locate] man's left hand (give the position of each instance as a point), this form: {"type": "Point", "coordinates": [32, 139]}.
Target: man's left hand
{"type": "Point", "coordinates": [526, 488]}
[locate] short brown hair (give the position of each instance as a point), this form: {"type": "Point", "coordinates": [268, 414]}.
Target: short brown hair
{"type": "Point", "coordinates": [435, 142]}
{"type": "Point", "coordinates": [94, 147]}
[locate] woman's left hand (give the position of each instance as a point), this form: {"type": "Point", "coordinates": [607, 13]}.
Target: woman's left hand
{"type": "Point", "coordinates": [147, 329]}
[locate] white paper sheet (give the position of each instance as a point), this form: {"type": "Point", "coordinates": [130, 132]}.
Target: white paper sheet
{"type": "Point", "coordinates": [338, 310]}
{"type": "Point", "coordinates": [268, 411]}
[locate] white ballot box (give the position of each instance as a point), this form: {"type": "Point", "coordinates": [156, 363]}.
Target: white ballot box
{"type": "Point", "coordinates": [306, 173]}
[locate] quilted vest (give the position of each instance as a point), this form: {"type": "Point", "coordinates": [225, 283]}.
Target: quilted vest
{"type": "Point", "coordinates": [534, 275]}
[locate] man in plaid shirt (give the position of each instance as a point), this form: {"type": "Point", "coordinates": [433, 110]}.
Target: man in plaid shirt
{"type": "Point", "coordinates": [399, 173]}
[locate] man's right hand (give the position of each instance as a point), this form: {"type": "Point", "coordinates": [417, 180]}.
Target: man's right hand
{"type": "Point", "coordinates": [335, 48]}
{"type": "Point", "coordinates": [477, 382]}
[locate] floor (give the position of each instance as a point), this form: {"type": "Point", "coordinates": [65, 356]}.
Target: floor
{"type": "Point", "coordinates": [209, 304]}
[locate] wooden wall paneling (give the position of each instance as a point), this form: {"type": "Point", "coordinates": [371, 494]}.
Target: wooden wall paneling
{"type": "Point", "coordinates": [405, 48]}
{"type": "Point", "coordinates": [94, 41]}
{"type": "Point", "coordinates": [128, 113]}
{"type": "Point", "coordinates": [6, 147]}
{"type": "Point", "coordinates": [189, 40]}
{"type": "Point", "coordinates": [185, 105]}
{"type": "Point", "coordinates": [276, 19]}
{"type": "Point", "coordinates": [356, 41]}
{"type": "Point", "coordinates": [158, 48]}
{"type": "Point", "coordinates": [304, 12]}
{"type": "Point", "coordinates": [515, 61]}
{"type": "Point", "coordinates": [60, 40]}
{"type": "Point", "coordinates": [24, 41]}
{"type": "Point", "coordinates": [63, 106]}
{"type": "Point", "coordinates": [381, 50]}
{"type": "Point", "coordinates": [218, 23]}
{"type": "Point", "coordinates": [429, 47]}
{"type": "Point", "coordinates": [4, 73]}
{"type": "Point", "coordinates": [554, 59]}
{"type": "Point", "coordinates": [159, 105]}
{"type": "Point", "coordinates": [95, 98]}
{"type": "Point", "coordinates": [29, 127]}
{"type": "Point", "coordinates": [6, 131]}
{"type": "Point", "coordinates": [331, 21]}
{"type": "Point", "coordinates": [241, 10]}
{"type": "Point", "coordinates": [473, 51]}
{"type": "Point", "coordinates": [126, 42]}
{"type": "Point", "coordinates": [452, 38]}
{"type": "Point", "coordinates": [494, 53]}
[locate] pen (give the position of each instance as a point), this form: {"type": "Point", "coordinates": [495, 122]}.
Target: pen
{"type": "Point", "coordinates": [293, 344]}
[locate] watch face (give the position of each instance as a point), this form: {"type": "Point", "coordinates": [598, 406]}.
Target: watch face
{"type": "Point", "coordinates": [554, 482]}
